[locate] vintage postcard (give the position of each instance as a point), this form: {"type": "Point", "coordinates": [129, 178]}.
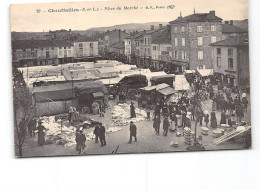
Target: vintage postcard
{"type": "Point", "coordinates": [116, 77]}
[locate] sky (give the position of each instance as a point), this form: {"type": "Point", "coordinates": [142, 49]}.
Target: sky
{"type": "Point", "coordinates": [24, 17]}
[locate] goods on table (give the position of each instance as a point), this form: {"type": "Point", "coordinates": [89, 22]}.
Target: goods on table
{"type": "Point", "coordinates": [121, 115]}
{"type": "Point", "coordinates": [188, 135]}
{"type": "Point", "coordinates": [204, 130]}
{"type": "Point", "coordinates": [113, 129]}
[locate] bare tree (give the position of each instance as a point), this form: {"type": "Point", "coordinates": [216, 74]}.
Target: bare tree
{"type": "Point", "coordinates": [22, 109]}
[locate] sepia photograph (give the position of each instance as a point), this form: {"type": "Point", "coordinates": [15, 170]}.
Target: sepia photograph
{"type": "Point", "coordinates": [130, 77]}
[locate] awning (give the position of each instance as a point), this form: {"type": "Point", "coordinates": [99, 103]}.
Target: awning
{"type": "Point", "coordinates": [189, 71]}
{"type": "Point", "coordinates": [148, 88]}
{"type": "Point", "coordinates": [167, 91]}
{"type": "Point", "coordinates": [98, 94]}
{"type": "Point", "coordinates": [161, 86]}
{"type": "Point", "coordinates": [205, 72]}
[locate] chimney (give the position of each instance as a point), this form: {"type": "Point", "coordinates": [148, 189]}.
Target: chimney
{"type": "Point", "coordinates": [226, 22]}
{"type": "Point", "coordinates": [231, 22]}
{"type": "Point", "coordinates": [152, 27]}
{"type": "Point", "coordinates": [212, 12]}
{"type": "Point", "coordinates": [69, 30]}
{"type": "Point", "coordinates": [160, 25]}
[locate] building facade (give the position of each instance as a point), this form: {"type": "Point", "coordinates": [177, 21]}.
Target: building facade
{"type": "Point", "coordinates": [191, 36]}
{"type": "Point", "coordinates": [231, 61]}
{"type": "Point", "coordinates": [108, 38]}
{"type": "Point", "coordinates": [40, 52]}
{"type": "Point", "coordinates": [85, 47]}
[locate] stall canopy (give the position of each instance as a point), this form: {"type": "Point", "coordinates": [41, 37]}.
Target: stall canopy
{"type": "Point", "coordinates": [205, 72]}
{"type": "Point", "coordinates": [181, 83]}
{"type": "Point", "coordinates": [189, 71]}
{"type": "Point", "coordinates": [167, 91]}
{"type": "Point", "coordinates": [65, 91]}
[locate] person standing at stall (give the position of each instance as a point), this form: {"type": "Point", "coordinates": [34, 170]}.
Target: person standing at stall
{"type": "Point", "coordinates": [156, 124]}
{"type": "Point", "coordinates": [213, 120]}
{"type": "Point", "coordinates": [206, 118]}
{"type": "Point", "coordinates": [32, 126]}
{"type": "Point", "coordinates": [133, 130]}
{"type": "Point", "coordinates": [223, 118]}
{"type": "Point", "coordinates": [132, 110]}
{"type": "Point", "coordinates": [102, 135]}
{"type": "Point", "coordinates": [97, 133]}
{"type": "Point", "coordinates": [41, 134]}
{"type": "Point", "coordinates": [166, 125]}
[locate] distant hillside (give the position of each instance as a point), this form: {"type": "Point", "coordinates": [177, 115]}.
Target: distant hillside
{"type": "Point", "coordinates": [127, 27]}
{"type": "Point", "coordinates": [241, 23]}
{"type": "Point", "coordinates": [28, 35]}
{"type": "Point", "coordinates": [89, 32]}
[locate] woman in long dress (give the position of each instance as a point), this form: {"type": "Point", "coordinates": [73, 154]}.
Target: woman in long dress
{"type": "Point", "coordinates": [213, 120]}
{"type": "Point", "coordinates": [132, 110]}
{"type": "Point", "coordinates": [156, 124]}
{"type": "Point", "coordinates": [173, 122]}
{"type": "Point", "coordinates": [223, 119]}
{"type": "Point", "coordinates": [41, 134]}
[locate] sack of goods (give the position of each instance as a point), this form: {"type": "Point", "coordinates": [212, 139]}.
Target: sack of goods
{"type": "Point", "coordinates": [224, 126]}
{"type": "Point", "coordinates": [218, 133]}
{"type": "Point", "coordinates": [188, 135]}
{"type": "Point", "coordinates": [204, 130]}
{"type": "Point", "coordinates": [174, 143]}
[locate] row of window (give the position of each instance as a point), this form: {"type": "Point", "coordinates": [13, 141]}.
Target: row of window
{"type": "Point", "coordinates": [230, 51]}
{"type": "Point", "coordinates": [180, 55]}
{"type": "Point", "coordinates": [230, 63]}
{"type": "Point", "coordinates": [168, 49]}
{"type": "Point", "coordinates": [146, 41]}
{"type": "Point", "coordinates": [199, 29]}
{"type": "Point", "coordinates": [200, 41]}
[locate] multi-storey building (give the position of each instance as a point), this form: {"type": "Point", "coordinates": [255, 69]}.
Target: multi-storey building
{"type": "Point", "coordinates": [40, 52]}
{"type": "Point", "coordinates": [161, 49]}
{"type": "Point", "coordinates": [230, 30]}
{"type": "Point", "coordinates": [191, 36]}
{"type": "Point", "coordinates": [85, 47]}
{"type": "Point", "coordinates": [53, 52]}
{"type": "Point", "coordinates": [142, 45]}
{"type": "Point", "coordinates": [108, 38]}
{"type": "Point", "coordinates": [231, 61]}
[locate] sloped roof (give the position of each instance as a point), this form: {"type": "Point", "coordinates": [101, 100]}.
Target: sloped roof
{"type": "Point", "coordinates": [233, 41]}
{"type": "Point", "coordinates": [107, 33]}
{"type": "Point", "coordinates": [24, 44]}
{"type": "Point", "coordinates": [197, 17]}
{"type": "Point", "coordinates": [227, 28]}
{"type": "Point", "coordinates": [163, 38]}
{"type": "Point", "coordinates": [85, 38]}
{"type": "Point", "coordinates": [118, 45]}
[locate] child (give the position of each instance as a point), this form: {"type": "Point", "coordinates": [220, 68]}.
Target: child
{"type": "Point", "coordinates": [206, 119]}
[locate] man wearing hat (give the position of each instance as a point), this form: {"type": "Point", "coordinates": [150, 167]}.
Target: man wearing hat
{"type": "Point", "coordinates": [41, 134]}
{"type": "Point", "coordinates": [132, 131]}
{"type": "Point", "coordinates": [102, 135]}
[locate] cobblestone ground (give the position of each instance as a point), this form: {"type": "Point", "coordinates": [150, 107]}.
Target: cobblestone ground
{"type": "Point", "coordinates": [147, 140]}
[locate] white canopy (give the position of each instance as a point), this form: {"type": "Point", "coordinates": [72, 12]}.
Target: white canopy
{"type": "Point", "coordinates": [205, 72]}
{"type": "Point", "coordinates": [181, 83]}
